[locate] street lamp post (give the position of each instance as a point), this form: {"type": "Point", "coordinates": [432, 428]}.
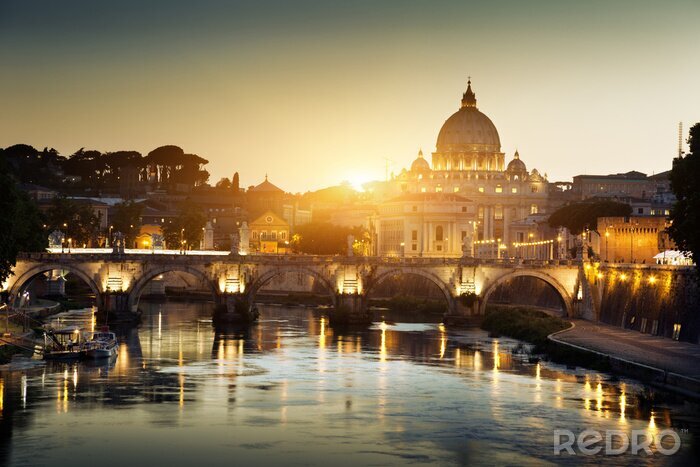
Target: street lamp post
{"type": "Point", "coordinates": [607, 235]}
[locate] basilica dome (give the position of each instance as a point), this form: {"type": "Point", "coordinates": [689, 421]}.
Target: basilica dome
{"type": "Point", "coordinates": [468, 129]}
{"type": "Point", "coordinates": [516, 165]}
{"type": "Point", "coordinates": [420, 164]}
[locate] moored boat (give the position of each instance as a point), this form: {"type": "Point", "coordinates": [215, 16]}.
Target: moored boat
{"type": "Point", "coordinates": [102, 344]}
{"type": "Point", "coordinates": [64, 344]}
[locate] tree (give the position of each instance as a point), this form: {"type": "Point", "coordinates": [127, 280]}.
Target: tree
{"type": "Point", "coordinates": [186, 230]}
{"type": "Point", "coordinates": [224, 184]}
{"type": "Point", "coordinates": [322, 238]}
{"type": "Point", "coordinates": [77, 221]}
{"type": "Point", "coordinates": [126, 218]}
{"type": "Point", "coordinates": [236, 183]}
{"type": "Point", "coordinates": [22, 228]}
{"type": "Point", "coordinates": [584, 215]}
{"type": "Point", "coordinates": [685, 214]}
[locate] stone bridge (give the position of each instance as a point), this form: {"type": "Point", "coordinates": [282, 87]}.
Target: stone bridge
{"type": "Point", "coordinates": [118, 280]}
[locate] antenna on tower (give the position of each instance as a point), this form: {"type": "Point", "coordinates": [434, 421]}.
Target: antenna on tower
{"type": "Point", "coordinates": [387, 162]}
{"type": "Point", "coordinates": [680, 139]}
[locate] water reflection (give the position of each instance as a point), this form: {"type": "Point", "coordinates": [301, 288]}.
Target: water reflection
{"type": "Point", "coordinates": [294, 390]}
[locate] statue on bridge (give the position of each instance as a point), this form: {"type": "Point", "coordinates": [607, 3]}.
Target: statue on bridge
{"type": "Point", "coordinates": [157, 241]}
{"type": "Point", "coordinates": [56, 239]}
{"type": "Point", "coordinates": [244, 239]}
{"type": "Point", "coordinates": [118, 242]}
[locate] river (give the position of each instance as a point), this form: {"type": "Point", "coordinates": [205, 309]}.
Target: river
{"type": "Point", "coordinates": [292, 390]}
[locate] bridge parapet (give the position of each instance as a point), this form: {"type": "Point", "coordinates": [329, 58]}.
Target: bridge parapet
{"type": "Point", "coordinates": [342, 277]}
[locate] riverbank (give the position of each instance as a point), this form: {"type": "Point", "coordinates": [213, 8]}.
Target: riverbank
{"type": "Point", "coordinates": [657, 361]}
{"type": "Point", "coordinates": [660, 362]}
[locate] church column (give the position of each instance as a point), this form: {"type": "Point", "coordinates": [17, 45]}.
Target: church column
{"type": "Point", "coordinates": [491, 230]}
{"type": "Point", "coordinates": [487, 222]}
{"type": "Point", "coordinates": [506, 226]}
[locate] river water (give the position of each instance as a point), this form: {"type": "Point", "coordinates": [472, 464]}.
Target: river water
{"type": "Point", "coordinates": [291, 390]}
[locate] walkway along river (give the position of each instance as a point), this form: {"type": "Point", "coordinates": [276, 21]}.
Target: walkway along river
{"type": "Point", "coordinates": [292, 390]}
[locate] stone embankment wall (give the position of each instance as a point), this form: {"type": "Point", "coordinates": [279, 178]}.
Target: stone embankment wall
{"type": "Point", "coordinates": [658, 300]}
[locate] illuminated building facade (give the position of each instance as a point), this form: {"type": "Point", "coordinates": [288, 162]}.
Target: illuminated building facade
{"type": "Point", "coordinates": [467, 162]}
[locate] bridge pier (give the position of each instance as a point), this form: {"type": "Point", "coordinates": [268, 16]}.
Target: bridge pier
{"type": "Point", "coordinates": [350, 308]}
{"type": "Point", "coordinates": [464, 312]}
{"type": "Point", "coordinates": [115, 306]}
{"type": "Point", "coordinates": [235, 308]}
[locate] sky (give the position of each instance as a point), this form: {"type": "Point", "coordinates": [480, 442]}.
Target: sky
{"type": "Point", "coordinates": [313, 93]}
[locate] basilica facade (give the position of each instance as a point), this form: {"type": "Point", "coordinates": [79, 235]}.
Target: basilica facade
{"type": "Point", "coordinates": [465, 198]}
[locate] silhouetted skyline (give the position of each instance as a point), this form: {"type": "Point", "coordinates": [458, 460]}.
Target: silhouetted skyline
{"type": "Point", "coordinates": [317, 92]}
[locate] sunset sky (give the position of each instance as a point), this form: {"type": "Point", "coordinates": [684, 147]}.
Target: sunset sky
{"type": "Point", "coordinates": [313, 93]}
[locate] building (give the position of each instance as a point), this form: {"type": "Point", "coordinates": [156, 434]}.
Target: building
{"type": "Point", "coordinates": [269, 233]}
{"type": "Point", "coordinates": [468, 163]}
{"type": "Point", "coordinates": [636, 239]}
{"type": "Point", "coordinates": [425, 224]}
{"type": "Point", "coordinates": [630, 184]}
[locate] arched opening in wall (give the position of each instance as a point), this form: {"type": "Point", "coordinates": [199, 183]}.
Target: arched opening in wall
{"type": "Point", "coordinates": [297, 287]}
{"type": "Point", "coordinates": [401, 296]}
{"type": "Point", "coordinates": [50, 290]}
{"type": "Point", "coordinates": [169, 298]}
{"type": "Point", "coordinates": [161, 290]}
{"type": "Point", "coordinates": [528, 292]}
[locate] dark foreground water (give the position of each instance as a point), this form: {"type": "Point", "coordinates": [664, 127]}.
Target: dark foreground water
{"type": "Point", "coordinates": [293, 391]}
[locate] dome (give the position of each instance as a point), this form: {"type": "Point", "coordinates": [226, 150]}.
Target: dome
{"type": "Point", "coordinates": [516, 165]}
{"type": "Point", "coordinates": [467, 128]}
{"type": "Point", "coordinates": [420, 164]}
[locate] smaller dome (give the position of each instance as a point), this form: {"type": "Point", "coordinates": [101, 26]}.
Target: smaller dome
{"type": "Point", "coordinates": [535, 176]}
{"type": "Point", "coordinates": [420, 164]}
{"type": "Point", "coordinates": [516, 165]}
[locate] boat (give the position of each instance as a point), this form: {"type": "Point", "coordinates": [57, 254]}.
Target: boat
{"type": "Point", "coordinates": [63, 344]}
{"type": "Point", "coordinates": [102, 344]}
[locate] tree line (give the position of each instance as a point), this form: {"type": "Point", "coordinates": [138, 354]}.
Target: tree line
{"type": "Point", "coordinates": [94, 171]}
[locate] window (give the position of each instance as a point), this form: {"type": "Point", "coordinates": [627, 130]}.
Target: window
{"type": "Point", "coordinates": [464, 209]}
{"type": "Point", "coordinates": [534, 188]}
{"type": "Point", "coordinates": [422, 190]}
{"type": "Point", "coordinates": [438, 233]}
{"type": "Point", "coordinates": [499, 189]}
{"type": "Point", "coordinates": [513, 190]}
{"type": "Point", "coordinates": [255, 234]}
{"type": "Point", "coordinates": [456, 189]}
{"type": "Point", "coordinates": [481, 212]}
{"type": "Point", "coordinates": [533, 209]}
{"type": "Point", "coordinates": [263, 236]}
{"type": "Point", "coordinates": [464, 234]}
{"type": "Point", "coordinates": [273, 235]}
{"type": "Point", "coordinates": [439, 248]}
{"type": "Point", "coordinates": [414, 235]}
{"type": "Point", "coordinates": [414, 247]}
{"type": "Point", "coordinates": [414, 208]}
{"type": "Point", "coordinates": [498, 213]}
{"type": "Point", "coordinates": [481, 189]}
{"type": "Point", "coordinates": [438, 189]}
{"type": "Point", "coordinates": [420, 176]}
{"type": "Point", "coordinates": [640, 210]}
{"type": "Point", "coordinates": [283, 235]}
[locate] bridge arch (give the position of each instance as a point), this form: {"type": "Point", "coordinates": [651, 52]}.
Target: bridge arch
{"type": "Point", "coordinates": [267, 276]}
{"type": "Point", "coordinates": [25, 279]}
{"type": "Point", "coordinates": [384, 275]}
{"type": "Point", "coordinates": [151, 273]}
{"type": "Point", "coordinates": [554, 283]}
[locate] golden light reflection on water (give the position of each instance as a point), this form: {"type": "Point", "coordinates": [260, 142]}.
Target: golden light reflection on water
{"type": "Point", "coordinates": [2, 396]}
{"type": "Point", "coordinates": [443, 340]}
{"type": "Point", "coordinates": [599, 397]}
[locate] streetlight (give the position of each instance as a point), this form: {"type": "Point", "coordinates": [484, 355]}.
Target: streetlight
{"type": "Point", "coordinates": [109, 236]}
